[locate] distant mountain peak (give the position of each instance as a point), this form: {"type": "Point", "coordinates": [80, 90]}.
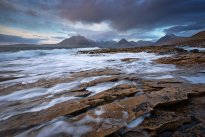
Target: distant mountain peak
{"type": "Point", "coordinates": [199, 35]}
{"type": "Point", "coordinates": [140, 40]}
{"type": "Point", "coordinates": [123, 41]}
{"type": "Point", "coordinates": [169, 38]}
{"type": "Point", "coordinates": [170, 35]}
{"type": "Point", "coordinates": [77, 40]}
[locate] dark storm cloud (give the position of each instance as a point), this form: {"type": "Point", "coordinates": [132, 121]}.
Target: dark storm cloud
{"type": "Point", "coordinates": [121, 14]}
{"type": "Point", "coordinates": [17, 39]}
{"type": "Point", "coordinates": [129, 14]}
{"type": "Point", "coordinates": [8, 7]}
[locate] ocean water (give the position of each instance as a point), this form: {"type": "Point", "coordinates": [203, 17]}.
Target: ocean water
{"type": "Point", "coordinates": [30, 66]}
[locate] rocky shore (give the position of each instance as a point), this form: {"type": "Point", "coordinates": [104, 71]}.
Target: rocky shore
{"type": "Point", "coordinates": [167, 100]}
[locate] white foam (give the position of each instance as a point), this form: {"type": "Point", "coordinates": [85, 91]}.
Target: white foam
{"type": "Point", "coordinates": [53, 102]}
{"type": "Point", "coordinates": [159, 77]}
{"type": "Point", "coordinates": [59, 127]}
{"type": "Point", "coordinates": [46, 64]}
{"type": "Point", "coordinates": [88, 119]}
{"type": "Point", "coordinates": [75, 129]}
{"type": "Point", "coordinates": [36, 92]}
{"type": "Point", "coordinates": [105, 86]}
{"type": "Point", "coordinates": [63, 87]}
{"type": "Point", "coordinates": [157, 68]}
{"type": "Point", "coordinates": [23, 94]}
{"type": "Point", "coordinates": [99, 111]}
{"type": "Point", "coordinates": [44, 105]}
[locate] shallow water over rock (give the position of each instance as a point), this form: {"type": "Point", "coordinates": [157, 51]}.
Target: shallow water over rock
{"type": "Point", "coordinates": [189, 48]}
{"type": "Point", "coordinates": [195, 79]}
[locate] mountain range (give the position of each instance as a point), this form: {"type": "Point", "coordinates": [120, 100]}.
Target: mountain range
{"type": "Point", "coordinates": [82, 42]}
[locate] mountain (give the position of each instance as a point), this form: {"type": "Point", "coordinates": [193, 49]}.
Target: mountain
{"type": "Point", "coordinates": [169, 39]}
{"type": "Point", "coordinates": [196, 39]}
{"type": "Point", "coordinates": [106, 44]}
{"type": "Point", "coordinates": [77, 42]}
{"type": "Point", "coordinates": [142, 43]}
{"type": "Point", "coordinates": [83, 42]}
{"type": "Point", "coordinates": [123, 43]}
{"type": "Point", "coordinates": [199, 35]}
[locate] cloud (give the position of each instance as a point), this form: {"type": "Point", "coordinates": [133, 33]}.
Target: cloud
{"type": "Point", "coordinates": [102, 19]}
{"type": "Point", "coordinates": [58, 37]}
{"type": "Point", "coordinates": [8, 6]}
{"type": "Point", "coordinates": [17, 39]}
{"type": "Point", "coordinates": [184, 28]}
{"type": "Point", "coordinates": [132, 14]}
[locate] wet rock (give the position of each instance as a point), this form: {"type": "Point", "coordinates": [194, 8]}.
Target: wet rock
{"type": "Point", "coordinates": [184, 59]}
{"type": "Point", "coordinates": [69, 107]}
{"type": "Point", "coordinates": [197, 103]}
{"type": "Point", "coordinates": [142, 107]}
{"type": "Point", "coordinates": [163, 120]}
{"type": "Point", "coordinates": [113, 118]}
{"type": "Point", "coordinates": [80, 94]}
{"type": "Point", "coordinates": [196, 131]}
{"type": "Point", "coordinates": [180, 119]}
{"type": "Point", "coordinates": [129, 59]}
{"type": "Point", "coordinates": [107, 71]}
{"type": "Point", "coordinates": [155, 49]}
{"type": "Point", "coordinates": [136, 133]}
{"type": "Point", "coordinates": [156, 85]}
{"type": "Point", "coordinates": [6, 78]}
{"type": "Point", "coordinates": [195, 51]}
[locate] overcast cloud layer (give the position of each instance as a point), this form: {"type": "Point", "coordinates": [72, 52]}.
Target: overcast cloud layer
{"type": "Point", "coordinates": [50, 21]}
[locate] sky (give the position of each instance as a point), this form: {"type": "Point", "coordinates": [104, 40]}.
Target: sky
{"type": "Point", "coordinates": [51, 21]}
